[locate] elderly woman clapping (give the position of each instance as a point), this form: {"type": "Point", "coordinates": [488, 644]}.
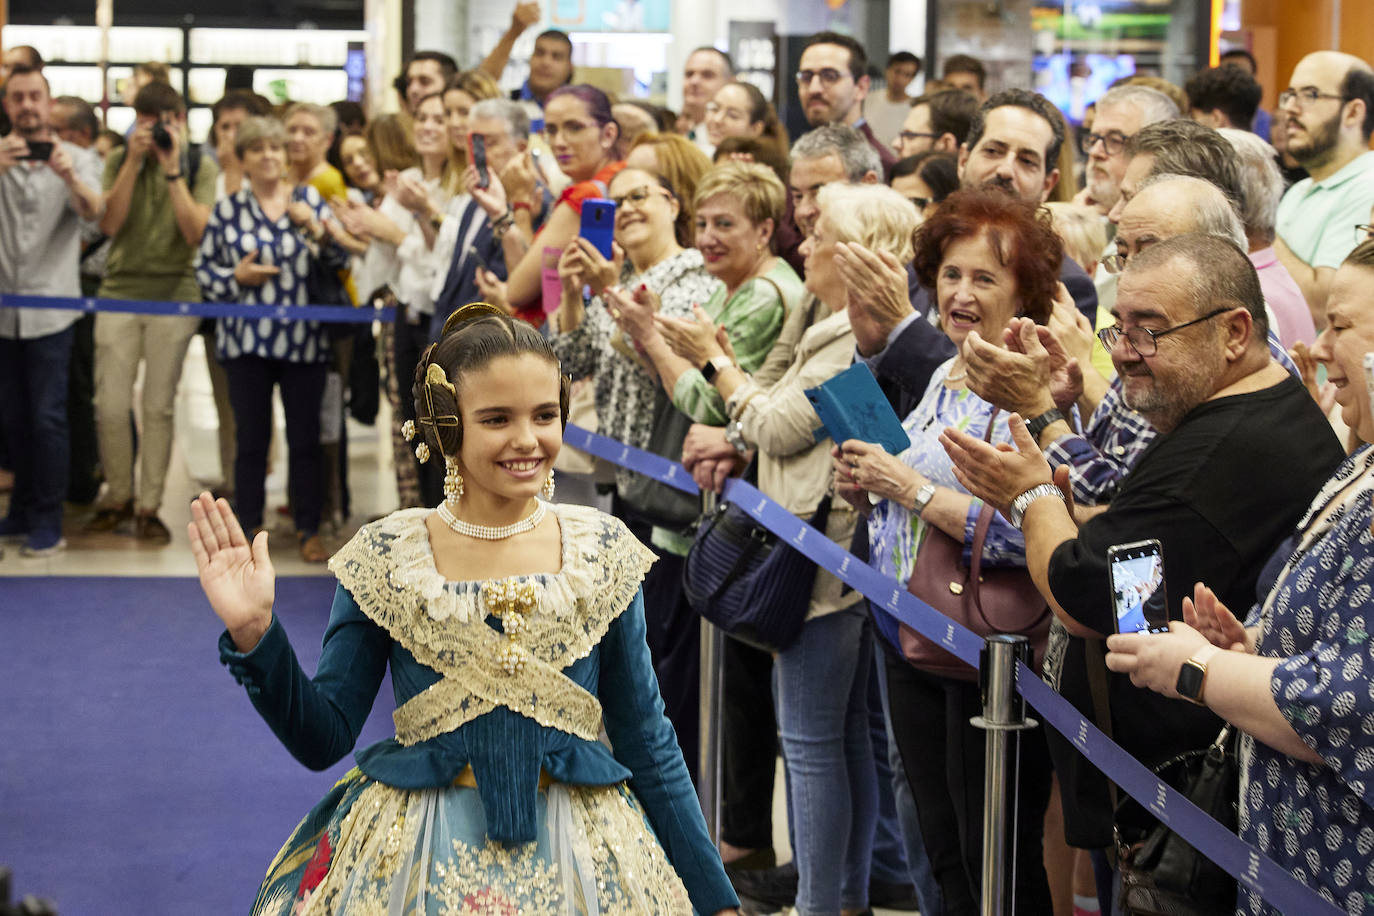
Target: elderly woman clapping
{"type": "Point", "coordinates": [822, 679]}
{"type": "Point", "coordinates": [988, 260]}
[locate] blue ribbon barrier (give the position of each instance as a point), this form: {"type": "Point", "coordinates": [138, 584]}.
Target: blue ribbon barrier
{"type": "Point", "coordinates": [333, 314]}
{"type": "Point", "coordinates": [1252, 868]}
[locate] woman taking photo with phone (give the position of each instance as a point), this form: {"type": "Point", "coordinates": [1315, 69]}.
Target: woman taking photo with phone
{"type": "Point", "coordinates": [514, 631]}
{"type": "Point", "coordinates": [585, 139]}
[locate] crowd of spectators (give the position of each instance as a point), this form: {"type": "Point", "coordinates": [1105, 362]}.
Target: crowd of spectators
{"type": "Point", "coordinates": [1151, 325]}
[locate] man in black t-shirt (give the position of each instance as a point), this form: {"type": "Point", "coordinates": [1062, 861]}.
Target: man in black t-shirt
{"type": "Point", "coordinates": [1241, 451]}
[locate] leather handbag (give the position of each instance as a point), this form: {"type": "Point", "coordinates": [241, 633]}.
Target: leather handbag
{"type": "Point", "coordinates": [1163, 875]}
{"type": "Point", "coordinates": [987, 601]}
{"type": "Point", "coordinates": [741, 578]}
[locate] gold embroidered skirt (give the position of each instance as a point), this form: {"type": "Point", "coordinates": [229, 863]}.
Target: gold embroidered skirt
{"type": "Point", "coordinates": [370, 849]}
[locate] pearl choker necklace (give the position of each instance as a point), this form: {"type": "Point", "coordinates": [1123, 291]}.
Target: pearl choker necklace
{"type": "Point", "coordinates": [488, 533]}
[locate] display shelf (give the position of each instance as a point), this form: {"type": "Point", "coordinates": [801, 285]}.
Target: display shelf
{"type": "Point", "coordinates": [305, 65]}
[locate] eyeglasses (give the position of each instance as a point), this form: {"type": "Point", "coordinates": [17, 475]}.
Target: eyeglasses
{"type": "Point", "coordinates": [1114, 263]}
{"type": "Point", "coordinates": [1306, 96]}
{"type": "Point", "coordinates": [829, 76]}
{"type": "Point", "coordinates": [1363, 233]}
{"type": "Point", "coordinates": [639, 196]}
{"type": "Point", "coordinates": [1112, 141]}
{"type": "Point", "coordinates": [906, 135]}
{"type": "Point", "coordinates": [1145, 341]}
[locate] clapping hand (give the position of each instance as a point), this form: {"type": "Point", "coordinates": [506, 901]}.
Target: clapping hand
{"type": "Point", "coordinates": [1205, 613]}
{"type": "Point", "coordinates": [878, 297]}
{"type": "Point", "coordinates": [697, 339]}
{"type": "Point", "coordinates": [1324, 394]}
{"type": "Point", "coordinates": [634, 312]}
{"type": "Point", "coordinates": [237, 577]}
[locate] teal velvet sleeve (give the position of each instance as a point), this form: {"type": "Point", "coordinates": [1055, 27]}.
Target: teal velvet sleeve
{"type": "Point", "coordinates": [643, 740]}
{"type": "Point", "coordinates": [317, 719]}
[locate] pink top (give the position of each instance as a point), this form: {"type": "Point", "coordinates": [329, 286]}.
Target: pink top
{"type": "Point", "coordinates": [1284, 298]}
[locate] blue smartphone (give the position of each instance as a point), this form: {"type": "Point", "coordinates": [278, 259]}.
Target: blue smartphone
{"type": "Point", "coordinates": [598, 224]}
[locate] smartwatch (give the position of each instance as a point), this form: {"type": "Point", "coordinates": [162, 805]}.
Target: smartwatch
{"type": "Point", "coordinates": [1191, 678]}
{"type": "Point", "coordinates": [1036, 425]}
{"type": "Point", "coordinates": [714, 366]}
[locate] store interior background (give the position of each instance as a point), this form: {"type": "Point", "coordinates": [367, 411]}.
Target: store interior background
{"type": "Point", "coordinates": [324, 50]}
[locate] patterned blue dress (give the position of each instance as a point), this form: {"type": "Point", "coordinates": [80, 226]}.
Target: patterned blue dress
{"type": "Point", "coordinates": [1318, 820]}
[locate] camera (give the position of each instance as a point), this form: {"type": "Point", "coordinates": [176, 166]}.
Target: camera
{"type": "Point", "coordinates": [161, 137]}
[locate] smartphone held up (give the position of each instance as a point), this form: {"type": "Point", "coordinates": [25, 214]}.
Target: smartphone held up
{"type": "Point", "coordinates": [1139, 598]}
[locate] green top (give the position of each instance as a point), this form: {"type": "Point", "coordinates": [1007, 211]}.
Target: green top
{"type": "Point", "coordinates": [753, 316]}
{"type": "Point", "coordinates": [149, 257]}
{"type": "Point", "coordinates": [1317, 219]}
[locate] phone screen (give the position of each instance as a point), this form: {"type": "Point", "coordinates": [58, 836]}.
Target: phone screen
{"type": "Point", "coordinates": [1138, 594]}
{"type": "Point", "coordinates": [477, 152]}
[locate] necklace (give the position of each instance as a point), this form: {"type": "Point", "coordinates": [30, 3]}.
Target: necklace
{"type": "Point", "coordinates": [488, 533]}
{"type": "Point", "coordinates": [957, 378]}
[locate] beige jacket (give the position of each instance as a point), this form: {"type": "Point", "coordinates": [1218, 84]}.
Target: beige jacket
{"type": "Point", "coordinates": [794, 469]}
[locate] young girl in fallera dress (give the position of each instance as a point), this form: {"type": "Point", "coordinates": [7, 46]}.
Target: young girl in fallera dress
{"type": "Point", "coordinates": [514, 630]}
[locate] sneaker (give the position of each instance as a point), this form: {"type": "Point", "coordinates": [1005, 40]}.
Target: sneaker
{"type": "Point", "coordinates": [43, 545]}
{"type": "Point", "coordinates": [109, 518]}
{"type": "Point", "coordinates": [150, 528]}
{"type": "Point", "coordinates": [12, 527]}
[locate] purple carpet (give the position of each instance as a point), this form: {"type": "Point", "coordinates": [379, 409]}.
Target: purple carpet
{"type": "Point", "coordinates": [135, 777]}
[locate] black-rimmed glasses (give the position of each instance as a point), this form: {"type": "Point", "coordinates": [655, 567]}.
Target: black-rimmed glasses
{"type": "Point", "coordinates": [1113, 142]}
{"type": "Point", "coordinates": [1363, 233]}
{"type": "Point", "coordinates": [1145, 341]}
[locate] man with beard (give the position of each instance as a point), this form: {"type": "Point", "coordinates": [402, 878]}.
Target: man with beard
{"type": "Point", "coordinates": [49, 191]}
{"type": "Point", "coordinates": [1327, 116]}
{"type": "Point", "coordinates": [1190, 347]}
{"type": "Point", "coordinates": [1121, 113]}
{"type": "Point", "coordinates": [1012, 145]}
{"type": "Point", "coordinates": [832, 83]}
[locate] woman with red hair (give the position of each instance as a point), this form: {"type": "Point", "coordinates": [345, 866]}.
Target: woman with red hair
{"type": "Point", "coordinates": [991, 263]}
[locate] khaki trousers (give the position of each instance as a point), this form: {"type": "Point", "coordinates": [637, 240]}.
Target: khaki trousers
{"type": "Point", "coordinates": [121, 341]}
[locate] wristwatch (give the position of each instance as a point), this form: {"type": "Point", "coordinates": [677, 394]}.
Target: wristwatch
{"type": "Point", "coordinates": [1191, 677]}
{"type": "Point", "coordinates": [1036, 425]}
{"type": "Point", "coordinates": [714, 366]}
{"type": "Point", "coordinates": [923, 498]}
{"type": "Point", "coordinates": [1017, 512]}
{"type": "Point", "coordinates": [734, 434]}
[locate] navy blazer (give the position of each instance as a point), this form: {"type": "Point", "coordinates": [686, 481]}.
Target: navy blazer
{"type": "Point", "coordinates": [460, 283]}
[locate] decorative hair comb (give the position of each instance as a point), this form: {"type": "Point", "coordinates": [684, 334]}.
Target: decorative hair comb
{"type": "Point", "coordinates": [469, 312]}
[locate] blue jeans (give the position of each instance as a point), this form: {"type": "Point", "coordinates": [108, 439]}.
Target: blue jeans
{"type": "Point", "coordinates": [33, 416]}
{"type": "Point", "coordinates": [821, 688]}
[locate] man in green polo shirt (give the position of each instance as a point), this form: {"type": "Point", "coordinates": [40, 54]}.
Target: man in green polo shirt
{"type": "Point", "coordinates": [157, 202]}
{"type": "Point", "coordinates": [1327, 116]}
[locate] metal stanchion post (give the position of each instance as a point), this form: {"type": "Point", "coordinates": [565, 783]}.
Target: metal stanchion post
{"type": "Point", "coordinates": [709, 769]}
{"type": "Point", "coordinates": [1004, 712]}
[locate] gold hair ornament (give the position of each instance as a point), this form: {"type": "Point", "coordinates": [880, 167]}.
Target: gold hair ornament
{"type": "Point", "coordinates": [470, 312]}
